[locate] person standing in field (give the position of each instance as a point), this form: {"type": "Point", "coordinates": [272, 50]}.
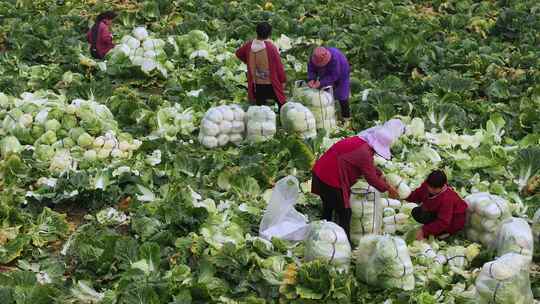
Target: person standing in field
{"type": "Point", "coordinates": [265, 72]}
{"type": "Point", "coordinates": [329, 67]}
{"type": "Point", "coordinates": [99, 36]}
{"type": "Point", "coordinates": [348, 160]}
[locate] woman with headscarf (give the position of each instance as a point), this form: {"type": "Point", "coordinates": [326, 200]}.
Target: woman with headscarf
{"type": "Point", "coordinates": [339, 168]}
{"type": "Point", "coordinates": [329, 67]}
{"type": "Point", "coordinates": [99, 36]}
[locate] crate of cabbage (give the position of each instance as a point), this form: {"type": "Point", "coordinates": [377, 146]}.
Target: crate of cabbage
{"type": "Point", "coordinates": [367, 211]}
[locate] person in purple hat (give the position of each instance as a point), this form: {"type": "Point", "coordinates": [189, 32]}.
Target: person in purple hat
{"type": "Point", "coordinates": [329, 67]}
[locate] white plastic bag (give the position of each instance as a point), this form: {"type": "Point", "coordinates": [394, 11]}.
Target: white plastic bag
{"type": "Point", "coordinates": [367, 211]}
{"type": "Point", "coordinates": [505, 280]}
{"type": "Point", "coordinates": [515, 236]}
{"type": "Point", "coordinates": [280, 219]}
{"type": "Point", "coordinates": [328, 241]}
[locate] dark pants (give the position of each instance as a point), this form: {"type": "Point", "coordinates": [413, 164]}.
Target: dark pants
{"type": "Point", "coordinates": [332, 199]}
{"type": "Point", "coordinates": [345, 109]}
{"type": "Point", "coordinates": [423, 217]}
{"type": "Point", "coordinates": [263, 93]}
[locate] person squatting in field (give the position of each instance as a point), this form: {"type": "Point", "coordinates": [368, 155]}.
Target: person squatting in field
{"type": "Point", "coordinates": [99, 36]}
{"type": "Point", "coordinates": [346, 161]}
{"type": "Point", "coordinates": [265, 72]}
{"type": "Point", "coordinates": [329, 67]}
{"type": "Point", "coordinates": [442, 211]}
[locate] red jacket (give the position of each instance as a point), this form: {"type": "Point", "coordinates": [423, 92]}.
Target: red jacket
{"type": "Point", "coordinates": [104, 39]}
{"type": "Point", "coordinates": [277, 72]}
{"type": "Point", "coordinates": [450, 209]}
{"type": "Point", "coordinates": [344, 163]}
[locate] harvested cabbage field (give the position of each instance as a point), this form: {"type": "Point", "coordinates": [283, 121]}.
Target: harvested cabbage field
{"type": "Point", "coordinates": [148, 177]}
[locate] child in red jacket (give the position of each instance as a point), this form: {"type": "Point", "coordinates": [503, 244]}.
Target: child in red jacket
{"type": "Point", "coordinates": [442, 211]}
{"type": "Point", "coordinates": [265, 73]}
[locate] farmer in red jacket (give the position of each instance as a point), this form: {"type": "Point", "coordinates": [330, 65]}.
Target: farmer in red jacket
{"type": "Point", "coordinates": [99, 36]}
{"type": "Point", "coordinates": [442, 210]}
{"type": "Point", "coordinates": [346, 161]}
{"type": "Point", "coordinates": [266, 75]}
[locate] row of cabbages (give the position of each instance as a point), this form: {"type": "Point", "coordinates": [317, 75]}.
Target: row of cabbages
{"type": "Point", "coordinates": [62, 135]}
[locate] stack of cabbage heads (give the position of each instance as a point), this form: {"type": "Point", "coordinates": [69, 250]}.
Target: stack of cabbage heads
{"type": "Point", "coordinates": [221, 125]}
{"type": "Point", "coordinates": [367, 211]}
{"type": "Point", "coordinates": [261, 123]}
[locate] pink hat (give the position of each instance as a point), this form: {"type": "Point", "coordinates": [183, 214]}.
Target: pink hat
{"type": "Point", "coordinates": [382, 137]}
{"type": "Point", "coordinates": [321, 56]}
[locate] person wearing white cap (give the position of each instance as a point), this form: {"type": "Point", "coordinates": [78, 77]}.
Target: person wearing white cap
{"type": "Point", "coordinates": [348, 160]}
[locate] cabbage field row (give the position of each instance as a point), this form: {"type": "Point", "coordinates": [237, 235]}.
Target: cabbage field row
{"type": "Point", "coordinates": [143, 178]}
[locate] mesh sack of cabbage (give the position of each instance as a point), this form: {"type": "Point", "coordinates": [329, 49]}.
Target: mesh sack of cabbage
{"type": "Point", "coordinates": [515, 236]}
{"type": "Point", "coordinates": [399, 183]}
{"type": "Point", "coordinates": [260, 123]}
{"type": "Point", "coordinates": [221, 125]}
{"type": "Point", "coordinates": [298, 119]}
{"type": "Point", "coordinates": [384, 261]}
{"type": "Point", "coordinates": [328, 241]}
{"type": "Point", "coordinates": [142, 50]}
{"type": "Point", "coordinates": [367, 211]}
{"type": "Point", "coordinates": [320, 103]}
{"type": "Point", "coordinates": [485, 214]}
{"type": "Point", "coordinates": [505, 280]}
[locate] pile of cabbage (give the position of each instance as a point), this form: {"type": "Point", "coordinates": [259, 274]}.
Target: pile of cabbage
{"type": "Point", "coordinates": [384, 261]}
{"type": "Point", "coordinates": [321, 104]}
{"type": "Point", "coordinates": [62, 136]}
{"type": "Point", "coordinates": [505, 280]}
{"type": "Point", "coordinates": [143, 50]}
{"type": "Point", "coordinates": [328, 241]}
{"type": "Point", "coordinates": [298, 119]}
{"type": "Point", "coordinates": [260, 123]}
{"type": "Point", "coordinates": [486, 213]}
{"type": "Point", "coordinates": [172, 121]}
{"type": "Point", "coordinates": [221, 125]}
{"type": "Point", "coordinates": [367, 211]}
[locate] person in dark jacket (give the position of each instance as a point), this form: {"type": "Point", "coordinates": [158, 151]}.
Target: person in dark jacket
{"type": "Point", "coordinates": [99, 36]}
{"type": "Point", "coordinates": [329, 67]}
{"type": "Point", "coordinates": [345, 162]}
{"type": "Point", "coordinates": [442, 210]}
{"type": "Point", "coordinates": [266, 74]}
